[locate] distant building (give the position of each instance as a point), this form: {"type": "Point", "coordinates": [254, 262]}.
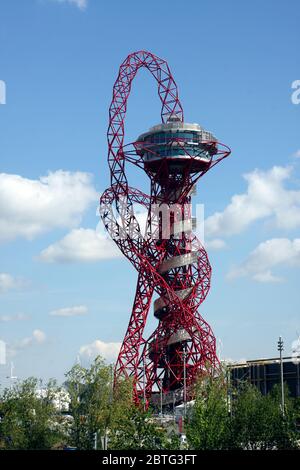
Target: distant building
{"type": "Point", "coordinates": [265, 373]}
{"type": "Point", "coordinates": [60, 399]}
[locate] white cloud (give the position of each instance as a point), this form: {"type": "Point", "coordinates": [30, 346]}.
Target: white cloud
{"type": "Point", "coordinates": [266, 197]}
{"type": "Point", "coordinates": [81, 4]}
{"type": "Point", "coordinates": [31, 207]}
{"type": "Point", "coordinates": [80, 245]}
{"type": "Point", "coordinates": [277, 252]}
{"type": "Point", "coordinates": [108, 351]}
{"type": "Point", "coordinates": [215, 244]}
{"type": "Point", "coordinates": [16, 317]}
{"type": "Point", "coordinates": [8, 282]}
{"type": "Point", "coordinates": [77, 310]}
{"type": "Point", "coordinates": [230, 361]}
{"type": "Point", "coordinates": [37, 337]}
{"type": "Point", "coordinates": [266, 276]}
{"type": "Point", "coordinates": [297, 154]}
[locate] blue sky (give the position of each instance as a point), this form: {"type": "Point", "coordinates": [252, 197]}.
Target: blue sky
{"type": "Point", "coordinates": [234, 63]}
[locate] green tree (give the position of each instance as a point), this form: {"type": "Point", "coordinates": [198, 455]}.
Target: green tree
{"type": "Point", "coordinates": [97, 406]}
{"type": "Point", "coordinates": [136, 429]}
{"type": "Point", "coordinates": [90, 392]}
{"type": "Point", "coordinates": [29, 421]}
{"type": "Point", "coordinates": [208, 421]}
{"type": "Point", "coordinates": [284, 427]}
{"type": "Point", "coordinates": [257, 421]}
{"type": "Point", "coordinates": [296, 410]}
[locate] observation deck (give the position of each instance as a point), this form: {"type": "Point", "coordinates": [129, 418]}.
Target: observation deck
{"type": "Point", "coordinates": [182, 146]}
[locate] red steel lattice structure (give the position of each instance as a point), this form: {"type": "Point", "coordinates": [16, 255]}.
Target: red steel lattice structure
{"type": "Point", "coordinates": [170, 260]}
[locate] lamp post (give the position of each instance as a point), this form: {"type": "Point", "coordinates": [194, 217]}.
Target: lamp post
{"type": "Point", "coordinates": [95, 440]}
{"type": "Point", "coordinates": [174, 404]}
{"type": "Point", "coordinates": [280, 349]}
{"type": "Point", "coordinates": [104, 440]}
{"type": "Point", "coordinates": [161, 399]}
{"type": "Point", "coordinates": [184, 381]}
{"type": "Point", "coordinates": [144, 384]}
{"type": "Point", "coordinates": [228, 383]}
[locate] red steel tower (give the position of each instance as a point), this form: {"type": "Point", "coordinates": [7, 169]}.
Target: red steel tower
{"type": "Point", "coordinates": [170, 260]}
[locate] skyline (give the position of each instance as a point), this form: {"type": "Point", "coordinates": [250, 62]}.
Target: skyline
{"type": "Point", "coordinates": [59, 60]}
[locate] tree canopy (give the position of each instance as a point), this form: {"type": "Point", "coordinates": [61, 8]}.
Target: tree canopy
{"type": "Point", "coordinates": [220, 418]}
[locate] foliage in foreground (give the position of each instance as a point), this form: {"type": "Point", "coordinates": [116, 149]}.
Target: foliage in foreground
{"type": "Point", "coordinates": [257, 421]}
{"type": "Point", "coordinates": [27, 421]}
{"type": "Point", "coordinates": [98, 409]}
{"type": "Point", "coordinates": [248, 420]}
{"type": "Point", "coordinates": [208, 421]}
{"type": "Point", "coordinates": [243, 419]}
